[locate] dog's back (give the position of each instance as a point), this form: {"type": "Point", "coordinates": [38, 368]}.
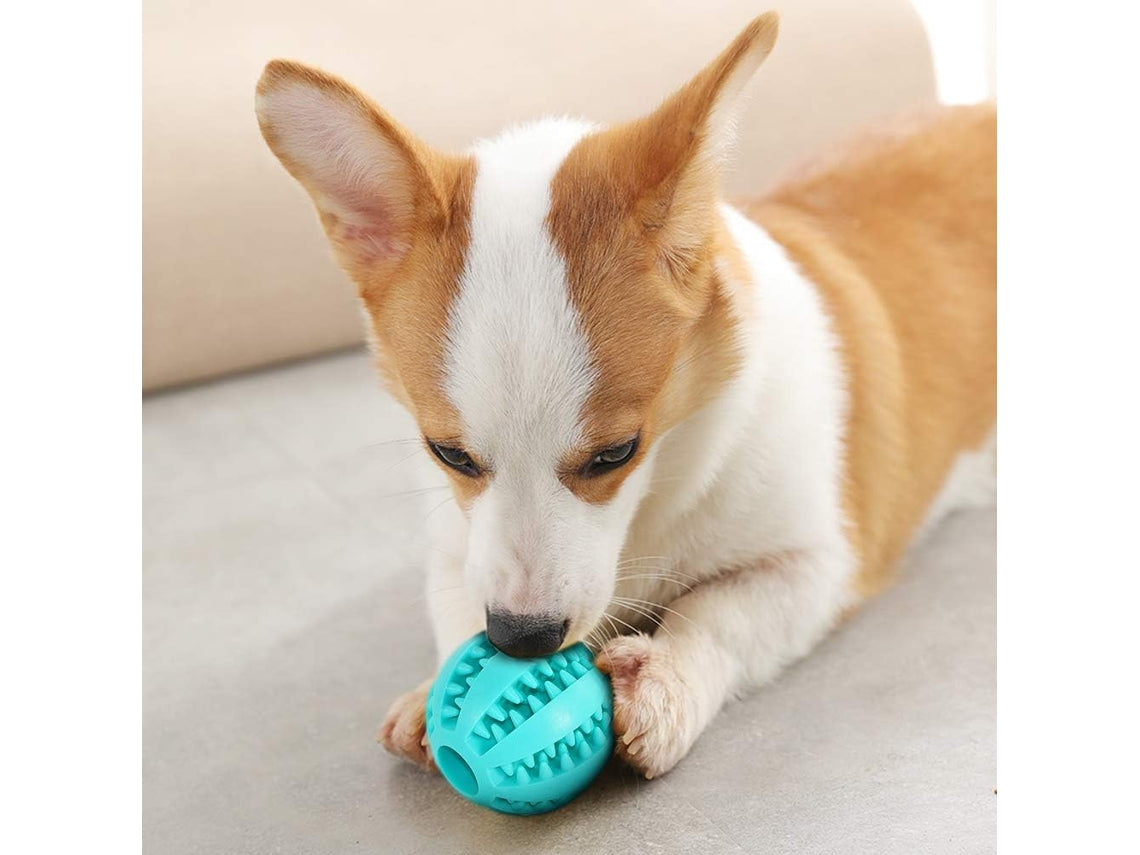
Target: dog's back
{"type": "Point", "coordinates": [898, 231]}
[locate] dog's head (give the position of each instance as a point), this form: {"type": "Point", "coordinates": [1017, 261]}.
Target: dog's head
{"type": "Point", "coordinates": [546, 306]}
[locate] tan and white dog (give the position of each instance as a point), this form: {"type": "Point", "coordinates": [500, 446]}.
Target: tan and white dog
{"type": "Point", "coordinates": [717, 427]}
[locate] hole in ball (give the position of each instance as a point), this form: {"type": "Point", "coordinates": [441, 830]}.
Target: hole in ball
{"type": "Point", "coordinates": [456, 770]}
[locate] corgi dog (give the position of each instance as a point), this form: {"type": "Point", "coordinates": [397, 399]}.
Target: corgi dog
{"type": "Point", "coordinates": [693, 434]}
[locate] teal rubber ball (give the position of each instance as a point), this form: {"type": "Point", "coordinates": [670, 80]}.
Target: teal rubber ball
{"type": "Point", "coordinates": [521, 736]}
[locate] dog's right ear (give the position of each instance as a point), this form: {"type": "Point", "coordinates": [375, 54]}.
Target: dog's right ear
{"type": "Point", "coordinates": [375, 186]}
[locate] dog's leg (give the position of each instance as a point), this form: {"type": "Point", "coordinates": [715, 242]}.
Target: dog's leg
{"type": "Point", "coordinates": [454, 619]}
{"type": "Point", "coordinates": [728, 635]}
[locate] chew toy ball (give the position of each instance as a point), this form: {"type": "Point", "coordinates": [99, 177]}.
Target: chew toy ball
{"type": "Point", "coordinates": [520, 736]}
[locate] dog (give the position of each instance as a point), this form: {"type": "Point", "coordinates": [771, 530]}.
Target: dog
{"type": "Point", "coordinates": [694, 435]}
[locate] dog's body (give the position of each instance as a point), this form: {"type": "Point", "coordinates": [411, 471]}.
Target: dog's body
{"type": "Point", "coordinates": [714, 427]}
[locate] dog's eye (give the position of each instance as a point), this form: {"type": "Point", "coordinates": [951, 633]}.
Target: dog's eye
{"type": "Point", "coordinates": [611, 458]}
{"type": "Point", "coordinates": [456, 458]}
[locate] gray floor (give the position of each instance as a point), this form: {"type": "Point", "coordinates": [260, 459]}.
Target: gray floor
{"type": "Point", "coordinates": [283, 611]}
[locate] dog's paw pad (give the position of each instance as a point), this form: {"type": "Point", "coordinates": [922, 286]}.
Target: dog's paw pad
{"type": "Point", "coordinates": [403, 731]}
{"type": "Point", "coordinates": [624, 658]}
{"type": "Point", "coordinates": [654, 712]}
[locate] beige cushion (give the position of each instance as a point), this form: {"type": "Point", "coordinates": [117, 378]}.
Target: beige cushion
{"type": "Point", "coordinates": [235, 269]}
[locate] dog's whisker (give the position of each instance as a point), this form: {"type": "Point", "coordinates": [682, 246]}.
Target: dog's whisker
{"type": "Point", "coordinates": [658, 578]}
{"type": "Point", "coordinates": [643, 558]}
{"type": "Point", "coordinates": [626, 563]}
{"type": "Point", "coordinates": [402, 460]}
{"type": "Point", "coordinates": [591, 640]}
{"type": "Point", "coordinates": [633, 628]}
{"type": "Point", "coordinates": [634, 563]}
{"type": "Point", "coordinates": [671, 611]}
{"type": "Point", "coordinates": [644, 573]}
{"type": "Point", "coordinates": [388, 442]}
{"type": "Point", "coordinates": [631, 604]}
{"type": "Point", "coordinates": [418, 491]}
{"type": "Point", "coordinates": [656, 619]}
{"type": "Point", "coordinates": [613, 626]}
{"type": "Point", "coordinates": [660, 573]}
{"type": "Point", "coordinates": [663, 570]}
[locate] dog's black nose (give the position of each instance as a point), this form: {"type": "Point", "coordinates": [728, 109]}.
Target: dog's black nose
{"type": "Point", "coordinates": [525, 636]}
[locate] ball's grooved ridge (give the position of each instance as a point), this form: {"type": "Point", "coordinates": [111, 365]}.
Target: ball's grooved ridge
{"type": "Point", "coordinates": [465, 672]}
{"type": "Point", "coordinates": [522, 699]}
{"type": "Point", "coordinates": [590, 736]}
{"type": "Point", "coordinates": [533, 732]}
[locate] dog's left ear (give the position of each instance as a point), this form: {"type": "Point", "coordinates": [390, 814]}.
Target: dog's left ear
{"type": "Point", "coordinates": [670, 161]}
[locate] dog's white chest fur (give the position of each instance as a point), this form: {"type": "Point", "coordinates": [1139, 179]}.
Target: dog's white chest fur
{"type": "Point", "coordinates": [757, 473]}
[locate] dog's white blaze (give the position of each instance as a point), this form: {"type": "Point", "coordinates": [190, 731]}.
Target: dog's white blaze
{"type": "Point", "coordinates": [518, 365]}
{"type": "Point", "coordinates": [518, 371]}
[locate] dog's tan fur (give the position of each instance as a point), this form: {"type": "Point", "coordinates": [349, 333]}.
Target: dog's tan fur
{"type": "Point", "coordinates": [920, 353]}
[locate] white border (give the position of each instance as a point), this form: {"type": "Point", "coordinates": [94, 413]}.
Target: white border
{"type": "Point", "coordinates": [1069, 428]}
{"type": "Point", "coordinates": [69, 342]}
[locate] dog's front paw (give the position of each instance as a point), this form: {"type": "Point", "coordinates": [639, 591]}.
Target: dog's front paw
{"type": "Point", "coordinates": [403, 732]}
{"type": "Point", "coordinates": [655, 714]}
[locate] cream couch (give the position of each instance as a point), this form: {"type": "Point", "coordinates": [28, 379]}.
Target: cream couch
{"type": "Point", "coordinates": [283, 597]}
